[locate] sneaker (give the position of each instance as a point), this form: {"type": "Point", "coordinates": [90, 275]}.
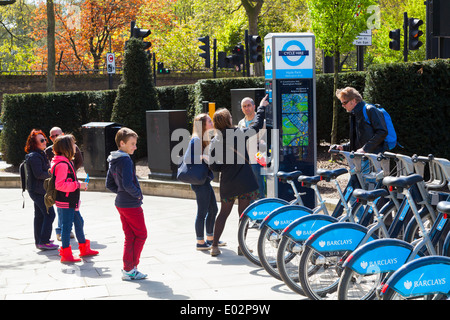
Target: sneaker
{"type": "Point", "coordinates": [47, 246]}
{"type": "Point", "coordinates": [220, 244]}
{"type": "Point", "coordinates": [133, 274]}
{"type": "Point", "coordinates": [203, 246]}
{"type": "Point", "coordinates": [215, 251]}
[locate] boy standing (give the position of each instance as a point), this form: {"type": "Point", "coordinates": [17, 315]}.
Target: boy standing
{"type": "Point", "coordinates": [121, 179]}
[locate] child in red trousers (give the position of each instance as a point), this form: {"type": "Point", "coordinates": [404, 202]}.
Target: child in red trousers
{"type": "Point", "coordinates": [68, 199]}
{"type": "Point", "coordinates": [121, 179]}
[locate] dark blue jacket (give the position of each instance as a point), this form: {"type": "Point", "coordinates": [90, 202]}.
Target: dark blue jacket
{"type": "Point", "coordinates": [37, 171]}
{"type": "Point", "coordinates": [121, 179]}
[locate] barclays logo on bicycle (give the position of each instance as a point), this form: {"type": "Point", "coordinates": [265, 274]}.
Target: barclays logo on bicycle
{"type": "Point", "coordinates": [377, 263]}
{"type": "Point", "coordinates": [408, 284]}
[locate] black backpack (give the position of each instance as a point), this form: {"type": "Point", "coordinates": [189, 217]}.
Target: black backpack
{"type": "Point", "coordinates": [23, 178]}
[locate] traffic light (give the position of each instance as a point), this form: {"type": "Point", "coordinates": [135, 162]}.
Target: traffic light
{"type": "Point", "coordinates": [161, 69]}
{"type": "Point", "coordinates": [255, 49]}
{"type": "Point", "coordinates": [222, 61]}
{"type": "Point", "coordinates": [206, 48]}
{"type": "Point", "coordinates": [394, 44]}
{"type": "Point", "coordinates": [6, 2]}
{"type": "Point", "coordinates": [140, 34]}
{"type": "Point", "coordinates": [237, 56]}
{"type": "Point", "coordinates": [415, 33]}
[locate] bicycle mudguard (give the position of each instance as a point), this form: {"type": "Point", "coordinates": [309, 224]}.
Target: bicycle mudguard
{"type": "Point", "coordinates": [426, 275]}
{"type": "Point", "coordinates": [258, 210]}
{"type": "Point", "coordinates": [341, 236]}
{"type": "Point", "coordinates": [302, 228]}
{"type": "Point", "coordinates": [280, 218]}
{"type": "Point", "coordinates": [382, 255]}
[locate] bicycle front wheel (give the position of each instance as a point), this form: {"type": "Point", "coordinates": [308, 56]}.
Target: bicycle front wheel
{"type": "Point", "coordinates": [319, 273]}
{"type": "Point", "coordinates": [248, 234]}
{"type": "Point", "coordinates": [268, 243]}
{"type": "Point", "coordinates": [288, 268]}
{"type": "Point", "coordinates": [354, 286]}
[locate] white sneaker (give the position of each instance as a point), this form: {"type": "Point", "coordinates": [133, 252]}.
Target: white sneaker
{"type": "Point", "coordinates": [133, 274]}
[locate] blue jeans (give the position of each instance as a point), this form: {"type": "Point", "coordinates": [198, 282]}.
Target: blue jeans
{"type": "Point", "coordinates": [71, 217]}
{"type": "Point", "coordinates": [206, 209]}
{"type": "Point", "coordinates": [42, 220]}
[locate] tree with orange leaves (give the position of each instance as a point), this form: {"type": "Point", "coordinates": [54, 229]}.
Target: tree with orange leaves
{"type": "Point", "coordinates": [83, 29]}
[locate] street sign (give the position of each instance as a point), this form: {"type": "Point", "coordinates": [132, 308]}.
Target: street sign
{"type": "Point", "coordinates": [364, 38]}
{"type": "Point", "coordinates": [111, 63]}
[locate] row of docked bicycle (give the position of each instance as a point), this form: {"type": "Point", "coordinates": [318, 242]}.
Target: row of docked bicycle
{"type": "Point", "coordinates": [387, 237]}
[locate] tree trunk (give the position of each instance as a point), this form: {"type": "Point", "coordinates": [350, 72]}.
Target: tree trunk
{"type": "Point", "coordinates": [51, 51]}
{"type": "Point", "coordinates": [334, 128]}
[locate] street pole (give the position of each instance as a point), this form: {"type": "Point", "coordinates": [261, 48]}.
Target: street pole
{"type": "Point", "coordinates": [214, 59]}
{"type": "Point", "coordinates": [110, 76]}
{"type": "Point", "coordinates": [247, 55]}
{"type": "Point", "coordinates": [405, 32]}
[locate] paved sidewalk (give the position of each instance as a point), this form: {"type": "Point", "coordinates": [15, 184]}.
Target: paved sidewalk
{"type": "Point", "coordinates": [176, 270]}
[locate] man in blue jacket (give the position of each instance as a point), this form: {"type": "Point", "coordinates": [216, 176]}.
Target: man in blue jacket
{"type": "Point", "coordinates": [364, 136]}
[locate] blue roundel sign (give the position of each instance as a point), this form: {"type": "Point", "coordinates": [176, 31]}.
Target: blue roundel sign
{"type": "Point", "coordinates": [268, 54]}
{"type": "Point", "coordinates": [294, 49]}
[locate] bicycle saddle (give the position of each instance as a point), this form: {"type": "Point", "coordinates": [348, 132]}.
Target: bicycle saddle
{"type": "Point", "coordinates": [308, 180]}
{"type": "Point", "coordinates": [331, 174]}
{"type": "Point", "coordinates": [289, 175]}
{"type": "Point", "coordinates": [444, 206]}
{"type": "Point", "coordinates": [402, 181]}
{"type": "Point", "coordinates": [369, 195]}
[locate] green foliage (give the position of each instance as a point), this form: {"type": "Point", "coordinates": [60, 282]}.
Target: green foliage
{"type": "Point", "coordinates": [136, 93]}
{"type": "Point", "coordinates": [337, 23]}
{"type": "Point", "coordinates": [392, 18]}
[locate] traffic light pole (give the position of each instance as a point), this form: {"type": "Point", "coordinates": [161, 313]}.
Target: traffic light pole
{"type": "Point", "coordinates": [214, 58]}
{"type": "Point", "coordinates": [247, 56]}
{"type": "Point", "coordinates": [405, 32]}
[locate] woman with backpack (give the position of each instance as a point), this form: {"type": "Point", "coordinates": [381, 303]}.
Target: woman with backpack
{"type": "Point", "coordinates": [37, 166]}
{"type": "Point", "coordinates": [68, 198]}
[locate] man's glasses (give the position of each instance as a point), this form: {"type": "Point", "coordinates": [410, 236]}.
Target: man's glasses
{"type": "Point", "coordinates": [54, 136]}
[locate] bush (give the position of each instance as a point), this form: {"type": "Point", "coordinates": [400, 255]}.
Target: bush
{"type": "Point", "coordinates": [136, 94]}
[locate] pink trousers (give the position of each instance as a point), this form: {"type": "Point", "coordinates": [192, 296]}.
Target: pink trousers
{"type": "Point", "coordinates": [133, 225]}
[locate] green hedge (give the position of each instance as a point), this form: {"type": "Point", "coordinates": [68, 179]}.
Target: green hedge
{"type": "Point", "coordinates": [68, 110]}
{"type": "Point", "coordinates": [417, 96]}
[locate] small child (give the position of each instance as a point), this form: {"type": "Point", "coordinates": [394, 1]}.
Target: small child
{"type": "Point", "coordinates": [121, 179]}
{"type": "Point", "coordinates": [68, 199]}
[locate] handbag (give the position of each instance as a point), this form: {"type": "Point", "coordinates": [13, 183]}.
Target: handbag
{"type": "Point", "coordinates": [192, 173]}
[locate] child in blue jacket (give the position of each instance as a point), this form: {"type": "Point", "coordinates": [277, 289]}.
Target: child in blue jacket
{"type": "Point", "coordinates": [121, 179]}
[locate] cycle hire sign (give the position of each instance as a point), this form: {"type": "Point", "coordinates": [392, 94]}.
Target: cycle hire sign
{"type": "Point", "coordinates": [290, 58]}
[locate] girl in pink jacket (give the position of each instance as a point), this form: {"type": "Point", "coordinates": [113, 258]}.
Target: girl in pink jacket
{"type": "Point", "coordinates": [68, 198]}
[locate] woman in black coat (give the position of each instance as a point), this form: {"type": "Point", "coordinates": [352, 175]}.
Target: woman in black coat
{"type": "Point", "coordinates": [37, 166]}
{"type": "Point", "coordinates": [228, 155]}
